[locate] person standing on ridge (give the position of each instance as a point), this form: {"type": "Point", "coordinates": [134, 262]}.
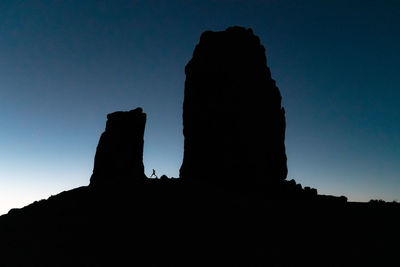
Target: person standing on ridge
{"type": "Point", "coordinates": [153, 174]}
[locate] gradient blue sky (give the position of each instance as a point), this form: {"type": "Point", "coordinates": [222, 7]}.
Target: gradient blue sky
{"type": "Point", "coordinates": [65, 64]}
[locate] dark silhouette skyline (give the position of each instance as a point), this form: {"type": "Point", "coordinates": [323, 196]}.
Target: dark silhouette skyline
{"type": "Point", "coordinates": [66, 64]}
{"type": "Point", "coordinates": [212, 217]}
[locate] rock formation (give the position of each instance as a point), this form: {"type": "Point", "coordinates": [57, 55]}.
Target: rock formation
{"type": "Point", "coordinates": [119, 154]}
{"type": "Point", "coordinates": [233, 122]}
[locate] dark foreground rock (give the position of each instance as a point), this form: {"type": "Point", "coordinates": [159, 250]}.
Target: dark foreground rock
{"type": "Point", "coordinates": [233, 122]}
{"type": "Point", "coordinates": [175, 224]}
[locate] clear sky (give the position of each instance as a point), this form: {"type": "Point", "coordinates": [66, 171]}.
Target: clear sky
{"type": "Point", "coordinates": [65, 64]}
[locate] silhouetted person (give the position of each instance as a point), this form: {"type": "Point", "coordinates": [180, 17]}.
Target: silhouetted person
{"type": "Point", "coordinates": [153, 174]}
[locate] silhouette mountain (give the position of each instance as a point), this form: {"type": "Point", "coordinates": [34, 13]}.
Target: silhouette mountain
{"type": "Point", "coordinates": [232, 205]}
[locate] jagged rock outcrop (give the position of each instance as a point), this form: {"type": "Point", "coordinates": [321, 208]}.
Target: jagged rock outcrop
{"type": "Point", "coordinates": [233, 122]}
{"type": "Point", "coordinates": [119, 154]}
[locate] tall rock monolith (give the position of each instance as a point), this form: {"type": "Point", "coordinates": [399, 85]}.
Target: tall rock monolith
{"type": "Point", "coordinates": [233, 121]}
{"type": "Point", "coordinates": [119, 154]}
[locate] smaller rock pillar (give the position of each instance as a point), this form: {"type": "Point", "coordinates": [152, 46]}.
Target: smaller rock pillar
{"type": "Point", "coordinates": [119, 154]}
